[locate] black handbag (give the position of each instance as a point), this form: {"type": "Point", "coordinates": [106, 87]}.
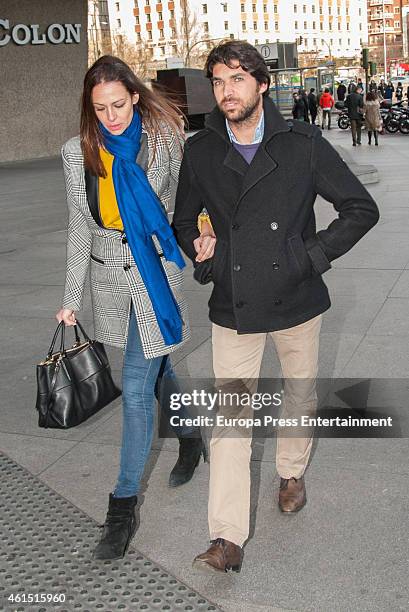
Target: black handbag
{"type": "Point", "coordinates": [73, 383]}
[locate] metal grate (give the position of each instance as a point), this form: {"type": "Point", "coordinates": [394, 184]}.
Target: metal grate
{"type": "Point", "coordinates": [46, 546]}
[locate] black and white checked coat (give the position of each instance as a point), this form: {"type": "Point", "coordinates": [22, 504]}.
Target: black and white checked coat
{"type": "Point", "coordinates": [115, 281]}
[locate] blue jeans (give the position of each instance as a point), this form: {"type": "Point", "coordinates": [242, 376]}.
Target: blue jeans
{"type": "Point", "coordinates": [140, 382]}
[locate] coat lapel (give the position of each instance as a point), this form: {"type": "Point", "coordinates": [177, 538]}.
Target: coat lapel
{"type": "Point", "coordinates": [92, 183]}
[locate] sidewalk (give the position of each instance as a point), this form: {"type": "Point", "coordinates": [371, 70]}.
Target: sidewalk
{"type": "Point", "coordinates": [348, 549]}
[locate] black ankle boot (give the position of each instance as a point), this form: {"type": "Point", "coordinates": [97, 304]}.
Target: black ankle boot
{"type": "Point", "coordinates": [119, 528]}
{"type": "Point", "coordinates": [190, 450]}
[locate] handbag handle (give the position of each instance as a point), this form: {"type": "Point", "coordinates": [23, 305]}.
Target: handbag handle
{"type": "Point", "coordinates": [61, 330]}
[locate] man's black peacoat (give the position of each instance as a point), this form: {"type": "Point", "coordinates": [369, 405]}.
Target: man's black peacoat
{"type": "Point", "coordinates": [269, 257]}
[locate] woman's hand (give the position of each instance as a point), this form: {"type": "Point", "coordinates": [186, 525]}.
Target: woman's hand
{"type": "Point", "coordinates": [205, 244]}
{"type": "Point", "coordinates": [67, 315]}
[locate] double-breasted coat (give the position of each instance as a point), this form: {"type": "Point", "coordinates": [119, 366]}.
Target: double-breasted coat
{"type": "Point", "coordinates": [115, 281]}
{"type": "Point", "coordinates": [269, 256]}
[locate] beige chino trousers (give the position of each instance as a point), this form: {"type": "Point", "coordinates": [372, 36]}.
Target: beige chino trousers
{"type": "Point", "coordinates": [239, 357]}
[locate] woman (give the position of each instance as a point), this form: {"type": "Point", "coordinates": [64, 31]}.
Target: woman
{"type": "Point", "coordinates": [389, 89]}
{"type": "Point", "coordinates": [118, 178]}
{"type": "Point", "coordinates": [373, 120]}
{"type": "Point", "coordinates": [399, 92]}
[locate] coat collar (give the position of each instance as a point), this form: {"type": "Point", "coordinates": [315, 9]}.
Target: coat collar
{"type": "Point", "coordinates": [92, 183]}
{"type": "Point", "coordinates": [262, 163]}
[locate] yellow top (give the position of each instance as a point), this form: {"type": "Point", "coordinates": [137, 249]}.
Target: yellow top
{"type": "Point", "coordinates": [108, 206]}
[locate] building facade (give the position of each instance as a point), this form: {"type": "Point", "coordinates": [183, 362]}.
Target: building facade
{"type": "Point", "coordinates": [326, 28]}
{"type": "Point", "coordinates": [389, 17]}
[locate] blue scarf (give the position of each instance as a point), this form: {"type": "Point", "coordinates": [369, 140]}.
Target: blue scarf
{"type": "Point", "coordinates": [143, 217]}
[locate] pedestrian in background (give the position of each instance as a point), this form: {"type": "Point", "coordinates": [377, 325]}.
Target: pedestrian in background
{"type": "Point", "coordinates": [326, 103]}
{"type": "Point", "coordinates": [381, 88]}
{"type": "Point", "coordinates": [312, 105]}
{"type": "Point", "coordinates": [341, 92]}
{"type": "Point", "coordinates": [354, 104]}
{"type": "Point", "coordinates": [373, 120]}
{"type": "Point", "coordinates": [389, 89]}
{"type": "Point", "coordinates": [399, 92]}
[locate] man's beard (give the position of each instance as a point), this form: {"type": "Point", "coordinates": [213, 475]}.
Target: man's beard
{"type": "Point", "coordinates": [245, 112]}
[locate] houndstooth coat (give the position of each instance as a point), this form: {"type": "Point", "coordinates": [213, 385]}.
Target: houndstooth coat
{"type": "Point", "coordinates": [115, 281]}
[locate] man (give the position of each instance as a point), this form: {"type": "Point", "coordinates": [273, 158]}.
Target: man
{"type": "Point", "coordinates": [312, 105]}
{"type": "Point", "coordinates": [258, 177]}
{"type": "Point", "coordinates": [341, 91]}
{"type": "Point", "coordinates": [326, 103]}
{"type": "Point", "coordinates": [355, 106]}
{"type": "Point", "coordinates": [360, 86]}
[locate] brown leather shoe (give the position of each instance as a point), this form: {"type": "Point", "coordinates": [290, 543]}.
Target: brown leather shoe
{"type": "Point", "coordinates": [222, 556]}
{"type": "Point", "coordinates": [292, 496]}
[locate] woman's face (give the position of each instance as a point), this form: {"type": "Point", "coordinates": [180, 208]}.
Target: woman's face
{"type": "Point", "coordinates": [113, 105]}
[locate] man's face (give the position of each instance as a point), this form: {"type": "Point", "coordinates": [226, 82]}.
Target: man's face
{"type": "Point", "coordinates": [238, 94]}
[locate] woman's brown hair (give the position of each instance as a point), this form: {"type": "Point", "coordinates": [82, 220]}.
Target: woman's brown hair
{"type": "Point", "coordinates": [158, 113]}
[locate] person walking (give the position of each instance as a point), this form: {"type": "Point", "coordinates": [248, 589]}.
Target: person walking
{"type": "Point", "coordinates": [118, 175]}
{"type": "Point", "coordinates": [373, 119]}
{"type": "Point", "coordinates": [373, 86]}
{"type": "Point", "coordinates": [381, 88]}
{"type": "Point", "coordinates": [389, 89]}
{"type": "Point", "coordinates": [341, 92]}
{"type": "Point", "coordinates": [258, 177]}
{"type": "Point", "coordinates": [326, 103]}
{"type": "Point", "coordinates": [298, 110]}
{"type": "Point", "coordinates": [399, 92]}
{"type": "Point", "coordinates": [313, 105]}
{"type": "Point", "coordinates": [354, 104]}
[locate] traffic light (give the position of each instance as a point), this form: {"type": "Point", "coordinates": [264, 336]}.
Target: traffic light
{"type": "Point", "coordinates": [372, 68]}
{"type": "Point", "coordinates": [365, 58]}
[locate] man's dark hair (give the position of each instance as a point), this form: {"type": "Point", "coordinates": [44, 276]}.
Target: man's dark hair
{"type": "Point", "coordinates": [248, 57]}
{"type": "Point", "coordinates": [326, 90]}
{"type": "Point", "coordinates": [312, 90]}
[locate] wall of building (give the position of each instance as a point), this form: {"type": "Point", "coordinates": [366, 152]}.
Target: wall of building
{"type": "Point", "coordinates": [40, 83]}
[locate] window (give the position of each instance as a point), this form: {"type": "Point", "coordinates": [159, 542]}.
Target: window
{"type": "Point", "coordinates": [275, 8]}
{"type": "Point", "coordinates": [150, 35]}
{"type": "Point", "coordinates": [138, 37]}
{"type": "Point", "coordinates": [313, 8]}
{"type": "Point", "coordinates": [255, 26]}
{"type": "Point", "coordinates": [172, 13]}
{"type": "Point", "coordinates": [254, 8]}
{"type": "Point", "coordinates": [117, 6]}
{"type": "Point", "coordinates": [160, 15]}
{"type": "Point", "coordinates": [118, 23]}
{"type": "Point", "coordinates": [304, 9]}
{"type": "Point", "coordinates": [147, 2]}
{"type": "Point", "coordinates": [148, 18]}
{"type": "Point", "coordinates": [226, 25]}
{"type": "Point", "coordinates": [135, 3]}
{"type": "Point", "coordinates": [204, 9]}
{"type": "Point", "coordinates": [296, 25]}
{"type": "Point", "coordinates": [295, 8]}
{"type": "Point", "coordinates": [397, 24]}
{"type": "Point", "coordinates": [206, 26]}
{"type": "Point", "coordinates": [242, 8]}
{"type": "Point", "coordinates": [173, 32]}
{"type": "Point", "coordinates": [305, 25]}
{"type": "Point", "coordinates": [161, 34]}
{"type": "Point", "coordinates": [276, 25]}
{"type": "Point", "coordinates": [243, 26]}
{"type": "Point", "coordinates": [225, 7]}
{"type": "Point", "coordinates": [137, 19]}
{"type": "Point", "coordinates": [265, 8]}
{"type": "Point", "coordinates": [162, 50]}
{"type": "Point", "coordinates": [314, 25]}
{"type": "Point", "coordinates": [266, 25]}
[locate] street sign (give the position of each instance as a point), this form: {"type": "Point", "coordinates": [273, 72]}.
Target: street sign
{"type": "Point", "coordinates": [174, 62]}
{"type": "Point", "coordinates": [269, 52]}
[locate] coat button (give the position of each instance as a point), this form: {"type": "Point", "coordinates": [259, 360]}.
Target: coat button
{"type": "Point", "coordinates": [276, 265]}
{"type": "Point", "coordinates": [274, 225]}
{"type": "Point", "coordinates": [237, 267]}
{"type": "Point", "coordinates": [124, 240]}
{"type": "Point", "coordinates": [239, 304]}
{"type": "Point", "coordinates": [127, 267]}
{"type": "Point", "coordinates": [277, 302]}
{"type": "Point", "coordinates": [235, 226]}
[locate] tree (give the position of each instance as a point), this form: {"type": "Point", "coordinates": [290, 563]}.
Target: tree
{"type": "Point", "coordinates": [188, 35]}
{"type": "Point", "coordinates": [138, 56]}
